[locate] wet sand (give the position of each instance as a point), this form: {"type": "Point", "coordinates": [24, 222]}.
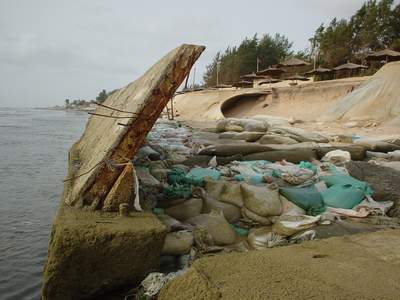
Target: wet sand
{"type": "Point", "coordinates": [362, 266]}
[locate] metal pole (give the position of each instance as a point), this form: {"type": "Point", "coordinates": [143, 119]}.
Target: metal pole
{"type": "Point", "coordinates": [217, 73]}
{"type": "Point", "coordinates": [194, 77]}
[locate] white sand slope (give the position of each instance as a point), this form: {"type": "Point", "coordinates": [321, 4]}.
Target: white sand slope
{"type": "Point", "coordinates": [376, 99]}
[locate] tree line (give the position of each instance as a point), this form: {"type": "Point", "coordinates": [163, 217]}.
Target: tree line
{"type": "Point", "coordinates": [375, 26]}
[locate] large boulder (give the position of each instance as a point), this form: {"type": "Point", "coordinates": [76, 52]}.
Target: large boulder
{"type": "Point", "coordinates": [92, 253]}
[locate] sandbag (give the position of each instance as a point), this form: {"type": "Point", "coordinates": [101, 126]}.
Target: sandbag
{"type": "Point", "coordinates": [343, 196]}
{"type": "Point", "coordinates": [375, 145]}
{"type": "Point", "coordinates": [228, 135]}
{"type": "Point", "coordinates": [342, 179]}
{"type": "Point", "coordinates": [217, 226]}
{"type": "Point", "coordinates": [261, 200]}
{"type": "Point", "coordinates": [337, 157]}
{"type": "Point", "coordinates": [246, 213]}
{"type": "Point", "coordinates": [289, 208]}
{"type": "Point", "coordinates": [160, 174]}
{"type": "Point", "coordinates": [307, 198]}
{"type": "Point", "coordinates": [231, 193]}
{"type": "Point", "coordinates": [276, 139]}
{"type": "Point", "coordinates": [196, 175]}
{"type": "Point", "coordinates": [234, 149]}
{"type": "Point", "coordinates": [168, 221]}
{"type": "Point", "coordinates": [233, 127]}
{"type": "Point", "coordinates": [177, 243]}
{"type": "Point", "coordinates": [148, 152]}
{"type": "Point", "coordinates": [301, 135]}
{"type": "Point", "coordinates": [293, 156]}
{"type": "Point", "coordinates": [254, 125]}
{"type": "Point", "coordinates": [225, 191]}
{"type": "Point", "coordinates": [248, 136]}
{"type": "Point", "coordinates": [357, 152]}
{"type": "Point", "coordinates": [263, 238]}
{"type": "Point", "coordinates": [186, 210]}
{"type": "Point", "coordinates": [230, 212]}
{"type": "Point", "coordinates": [288, 225]}
{"type": "Point", "coordinates": [214, 188]}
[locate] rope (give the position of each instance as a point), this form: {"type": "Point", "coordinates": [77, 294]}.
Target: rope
{"type": "Point", "coordinates": [109, 164]}
{"type": "Point", "coordinates": [107, 116]}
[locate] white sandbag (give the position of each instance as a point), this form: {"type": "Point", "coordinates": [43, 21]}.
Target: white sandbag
{"type": "Point", "coordinates": [337, 157]}
{"type": "Point", "coordinates": [288, 225]}
{"type": "Point", "coordinates": [261, 200]}
{"type": "Point", "coordinates": [263, 238]}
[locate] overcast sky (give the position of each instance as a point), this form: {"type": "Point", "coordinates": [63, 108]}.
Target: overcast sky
{"type": "Point", "coordinates": [51, 50]}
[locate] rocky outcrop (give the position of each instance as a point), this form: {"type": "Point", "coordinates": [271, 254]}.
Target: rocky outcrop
{"type": "Point", "coordinates": [91, 253]}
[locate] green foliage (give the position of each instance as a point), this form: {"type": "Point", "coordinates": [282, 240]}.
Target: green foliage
{"type": "Point", "coordinates": [102, 96]}
{"type": "Point", "coordinates": [241, 60]}
{"type": "Point", "coordinates": [374, 26]}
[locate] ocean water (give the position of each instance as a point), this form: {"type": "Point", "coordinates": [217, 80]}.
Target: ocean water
{"type": "Point", "coordinates": [34, 146]}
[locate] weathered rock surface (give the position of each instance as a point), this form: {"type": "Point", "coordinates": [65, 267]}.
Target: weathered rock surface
{"type": "Point", "coordinates": [91, 253]}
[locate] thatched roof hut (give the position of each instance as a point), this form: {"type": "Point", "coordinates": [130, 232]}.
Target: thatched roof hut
{"type": "Point", "coordinates": [243, 84]}
{"type": "Point", "coordinates": [319, 71]}
{"type": "Point", "coordinates": [293, 62]}
{"type": "Point", "coordinates": [271, 71]}
{"type": "Point", "coordinates": [251, 77]}
{"type": "Point", "coordinates": [386, 55]}
{"type": "Point", "coordinates": [350, 67]}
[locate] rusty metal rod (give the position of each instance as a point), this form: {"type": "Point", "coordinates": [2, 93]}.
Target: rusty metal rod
{"type": "Point", "coordinates": [116, 109]}
{"type": "Point", "coordinates": [107, 116]}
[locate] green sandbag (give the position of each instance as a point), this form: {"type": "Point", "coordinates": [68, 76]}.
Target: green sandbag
{"type": "Point", "coordinates": [176, 176]}
{"type": "Point", "coordinates": [343, 196]}
{"type": "Point", "coordinates": [177, 191]}
{"type": "Point", "coordinates": [196, 176]}
{"type": "Point", "coordinates": [308, 198]}
{"type": "Point", "coordinates": [341, 179]}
